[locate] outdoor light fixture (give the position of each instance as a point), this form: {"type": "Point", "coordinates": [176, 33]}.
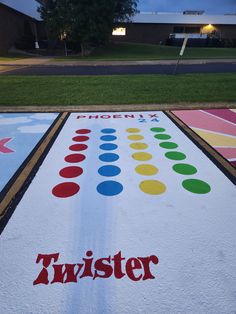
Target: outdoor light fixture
{"type": "Point", "coordinates": [63, 36]}
{"type": "Point", "coordinates": [208, 28]}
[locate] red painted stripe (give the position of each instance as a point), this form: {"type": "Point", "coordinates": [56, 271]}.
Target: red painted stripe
{"type": "Point", "coordinates": [227, 152]}
{"type": "Point", "coordinates": [225, 114]}
{"type": "Point", "coordinates": [202, 120]}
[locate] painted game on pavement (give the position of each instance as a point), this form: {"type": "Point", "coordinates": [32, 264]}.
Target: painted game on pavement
{"type": "Point", "coordinates": [19, 134]}
{"type": "Point", "coordinates": [125, 215]}
{"type": "Point", "coordinates": [216, 126]}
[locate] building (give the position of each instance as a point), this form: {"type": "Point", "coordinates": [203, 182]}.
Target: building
{"type": "Point", "coordinates": [156, 28]}
{"type": "Point", "coordinates": [23, 32]}
{"type": "Point", "coordinates": [17, 29]}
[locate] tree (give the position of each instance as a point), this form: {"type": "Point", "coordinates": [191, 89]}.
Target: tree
{"type": "Point", "coordinates": [89, 22]}
{"type": "Point", "coordinates": [56, 16]}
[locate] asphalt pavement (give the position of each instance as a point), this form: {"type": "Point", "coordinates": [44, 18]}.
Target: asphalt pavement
{"type": "Point", "coordinates": [120, 69]}
{"type": "Point", "coordinates": [50, 66]}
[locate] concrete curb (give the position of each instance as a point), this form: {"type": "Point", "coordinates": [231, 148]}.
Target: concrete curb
{"type": "Point", "coordinates": [117, 108]}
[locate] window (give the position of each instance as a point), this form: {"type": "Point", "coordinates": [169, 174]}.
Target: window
{"type": "Point", "coordinates": [119, 31]}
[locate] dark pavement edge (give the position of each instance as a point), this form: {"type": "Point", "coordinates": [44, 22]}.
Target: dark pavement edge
{"type": "Point", "coordinates": [120, 107]}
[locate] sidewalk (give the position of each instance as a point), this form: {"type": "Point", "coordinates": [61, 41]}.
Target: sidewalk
{"type": "Point", "coordinates": [6, 66]}
{"type": "Point", "coordinates": [47, 61]}
{"type": "Point", "coordinates": [26, 61]}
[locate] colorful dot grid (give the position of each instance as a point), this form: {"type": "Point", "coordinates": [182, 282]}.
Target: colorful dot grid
{"type": "Point", "coordinates": [151, 187]}
{"type": "Point", "coordinates": [192, 185]}
{"type": "Point", "coordinates": [109, 170]}
{"type": "Point", "coordinates": [68, 189]}
{"type": "Point", "coordinates": [109, 187]}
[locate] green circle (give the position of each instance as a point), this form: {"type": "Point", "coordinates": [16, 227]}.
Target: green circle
{"type": "Point", "coordinates": [162, 136]}
{"type": "Point", "coordinates": [168, 145]}
{"type": "Point", "coordinates": [196, 186]}
{"type": "Point", "coordinates": [184, 169]}
{"type": "Point", "coordinates": [175, 155]}
{"type": "Point", "coordinates": [157, 130]}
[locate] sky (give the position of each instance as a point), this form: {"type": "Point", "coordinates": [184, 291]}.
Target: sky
{"type": "Point", "coordinates": [210, 6]}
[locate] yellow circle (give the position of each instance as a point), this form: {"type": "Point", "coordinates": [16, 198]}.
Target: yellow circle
{"type": "Point", "coordinates": [132, 130]}
{"type": "Point", "coordinates": [152, 187]}
{"type": "Point", "coordinates": [142, 156]}
{"type": "Point", "coordinates": [146, 170]}
{"type": "Point", "coordinates": [138, 146]}
{"type": "Point", "coordinates": [135, 137]}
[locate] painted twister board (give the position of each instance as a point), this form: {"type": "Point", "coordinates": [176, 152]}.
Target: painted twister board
{"type": "Point", "coordinates": [216, 126]}
{"type": "Point", "coordinates": [128, 207]}
{"type": "Point", "coordinates": [19, 134]}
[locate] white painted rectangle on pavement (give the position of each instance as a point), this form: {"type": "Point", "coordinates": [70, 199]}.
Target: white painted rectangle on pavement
{"type": "Point", "coordinates": [116, 186]}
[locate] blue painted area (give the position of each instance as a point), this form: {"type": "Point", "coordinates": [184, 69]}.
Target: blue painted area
{"type": "Point", "coordinates": [108, 131]}
{"type": "Point", "coordinates": [109, 157]}
{"type": "Point", "coordinates": [109, 171]}
{"type": "Point", "coordinates": [108, 138]}
{"type": "Point", "coordinates": [110, 188]}
{"type": "Point", "coordinates": [108, 146]}
{"type": "Point", "coordinates": [25, 130]}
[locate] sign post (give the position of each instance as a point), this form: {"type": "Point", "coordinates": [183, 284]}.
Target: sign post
{"type": "Point", "coordinates": [181, 52]}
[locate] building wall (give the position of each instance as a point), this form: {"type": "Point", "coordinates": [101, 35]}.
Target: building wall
{"type": "Point", "coordinates": [13, 27]}
{"type": "Point", "coordinates": [227, 31]}
{"type": "Point", "coordinates": [145, 33]}
{"type": "Point", "coordinates": [156, 33]}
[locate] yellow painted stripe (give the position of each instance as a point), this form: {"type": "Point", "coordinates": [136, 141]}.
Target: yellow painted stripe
{"type": "Point", "coordinates": [216, 139]}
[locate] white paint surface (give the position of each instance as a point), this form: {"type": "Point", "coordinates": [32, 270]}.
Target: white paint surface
{"type": "Point", "coordinates": [40, 128]}
{"type": "Point", "coordinates": [192, 235]}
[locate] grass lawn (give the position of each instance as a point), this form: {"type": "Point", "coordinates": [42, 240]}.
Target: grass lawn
{"type": "Point", "coordinates": [127, 89]}
{"type": "Point", "coordinates": [127, 51]}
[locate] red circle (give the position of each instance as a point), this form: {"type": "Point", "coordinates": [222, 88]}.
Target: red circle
{"type": "Point", "coordinates": [75, 158]}
{"type": "Point", "coordinates": [66, 189]}
{"type": "Point", "coordinates": [80, 138]}
{"type": "Point", "coordinates": [83, 131]}
{"type": "Point", "coordinates": [71, 172]}
{"type": "Point", "coordinates": [78, 147]}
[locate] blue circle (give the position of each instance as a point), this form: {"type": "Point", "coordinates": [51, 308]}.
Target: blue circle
{"type": "Point", "coordinates": [109, 171]}
{"type": "Point", "coordinates": [108, 146]}
{"type": "Point", "coordinates": [108, 131]}
{"type": "Point", "coordinates": [108, 138]}
{"type": "Point", "coordinates": [110, 188]}
{"type": "Point", "coordinates": [109, 157]}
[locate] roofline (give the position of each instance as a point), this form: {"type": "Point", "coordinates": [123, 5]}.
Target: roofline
{"type": "Point", "coordinates": [178, 18]}
{"type": "Point", "coordinates": [18, 12]}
